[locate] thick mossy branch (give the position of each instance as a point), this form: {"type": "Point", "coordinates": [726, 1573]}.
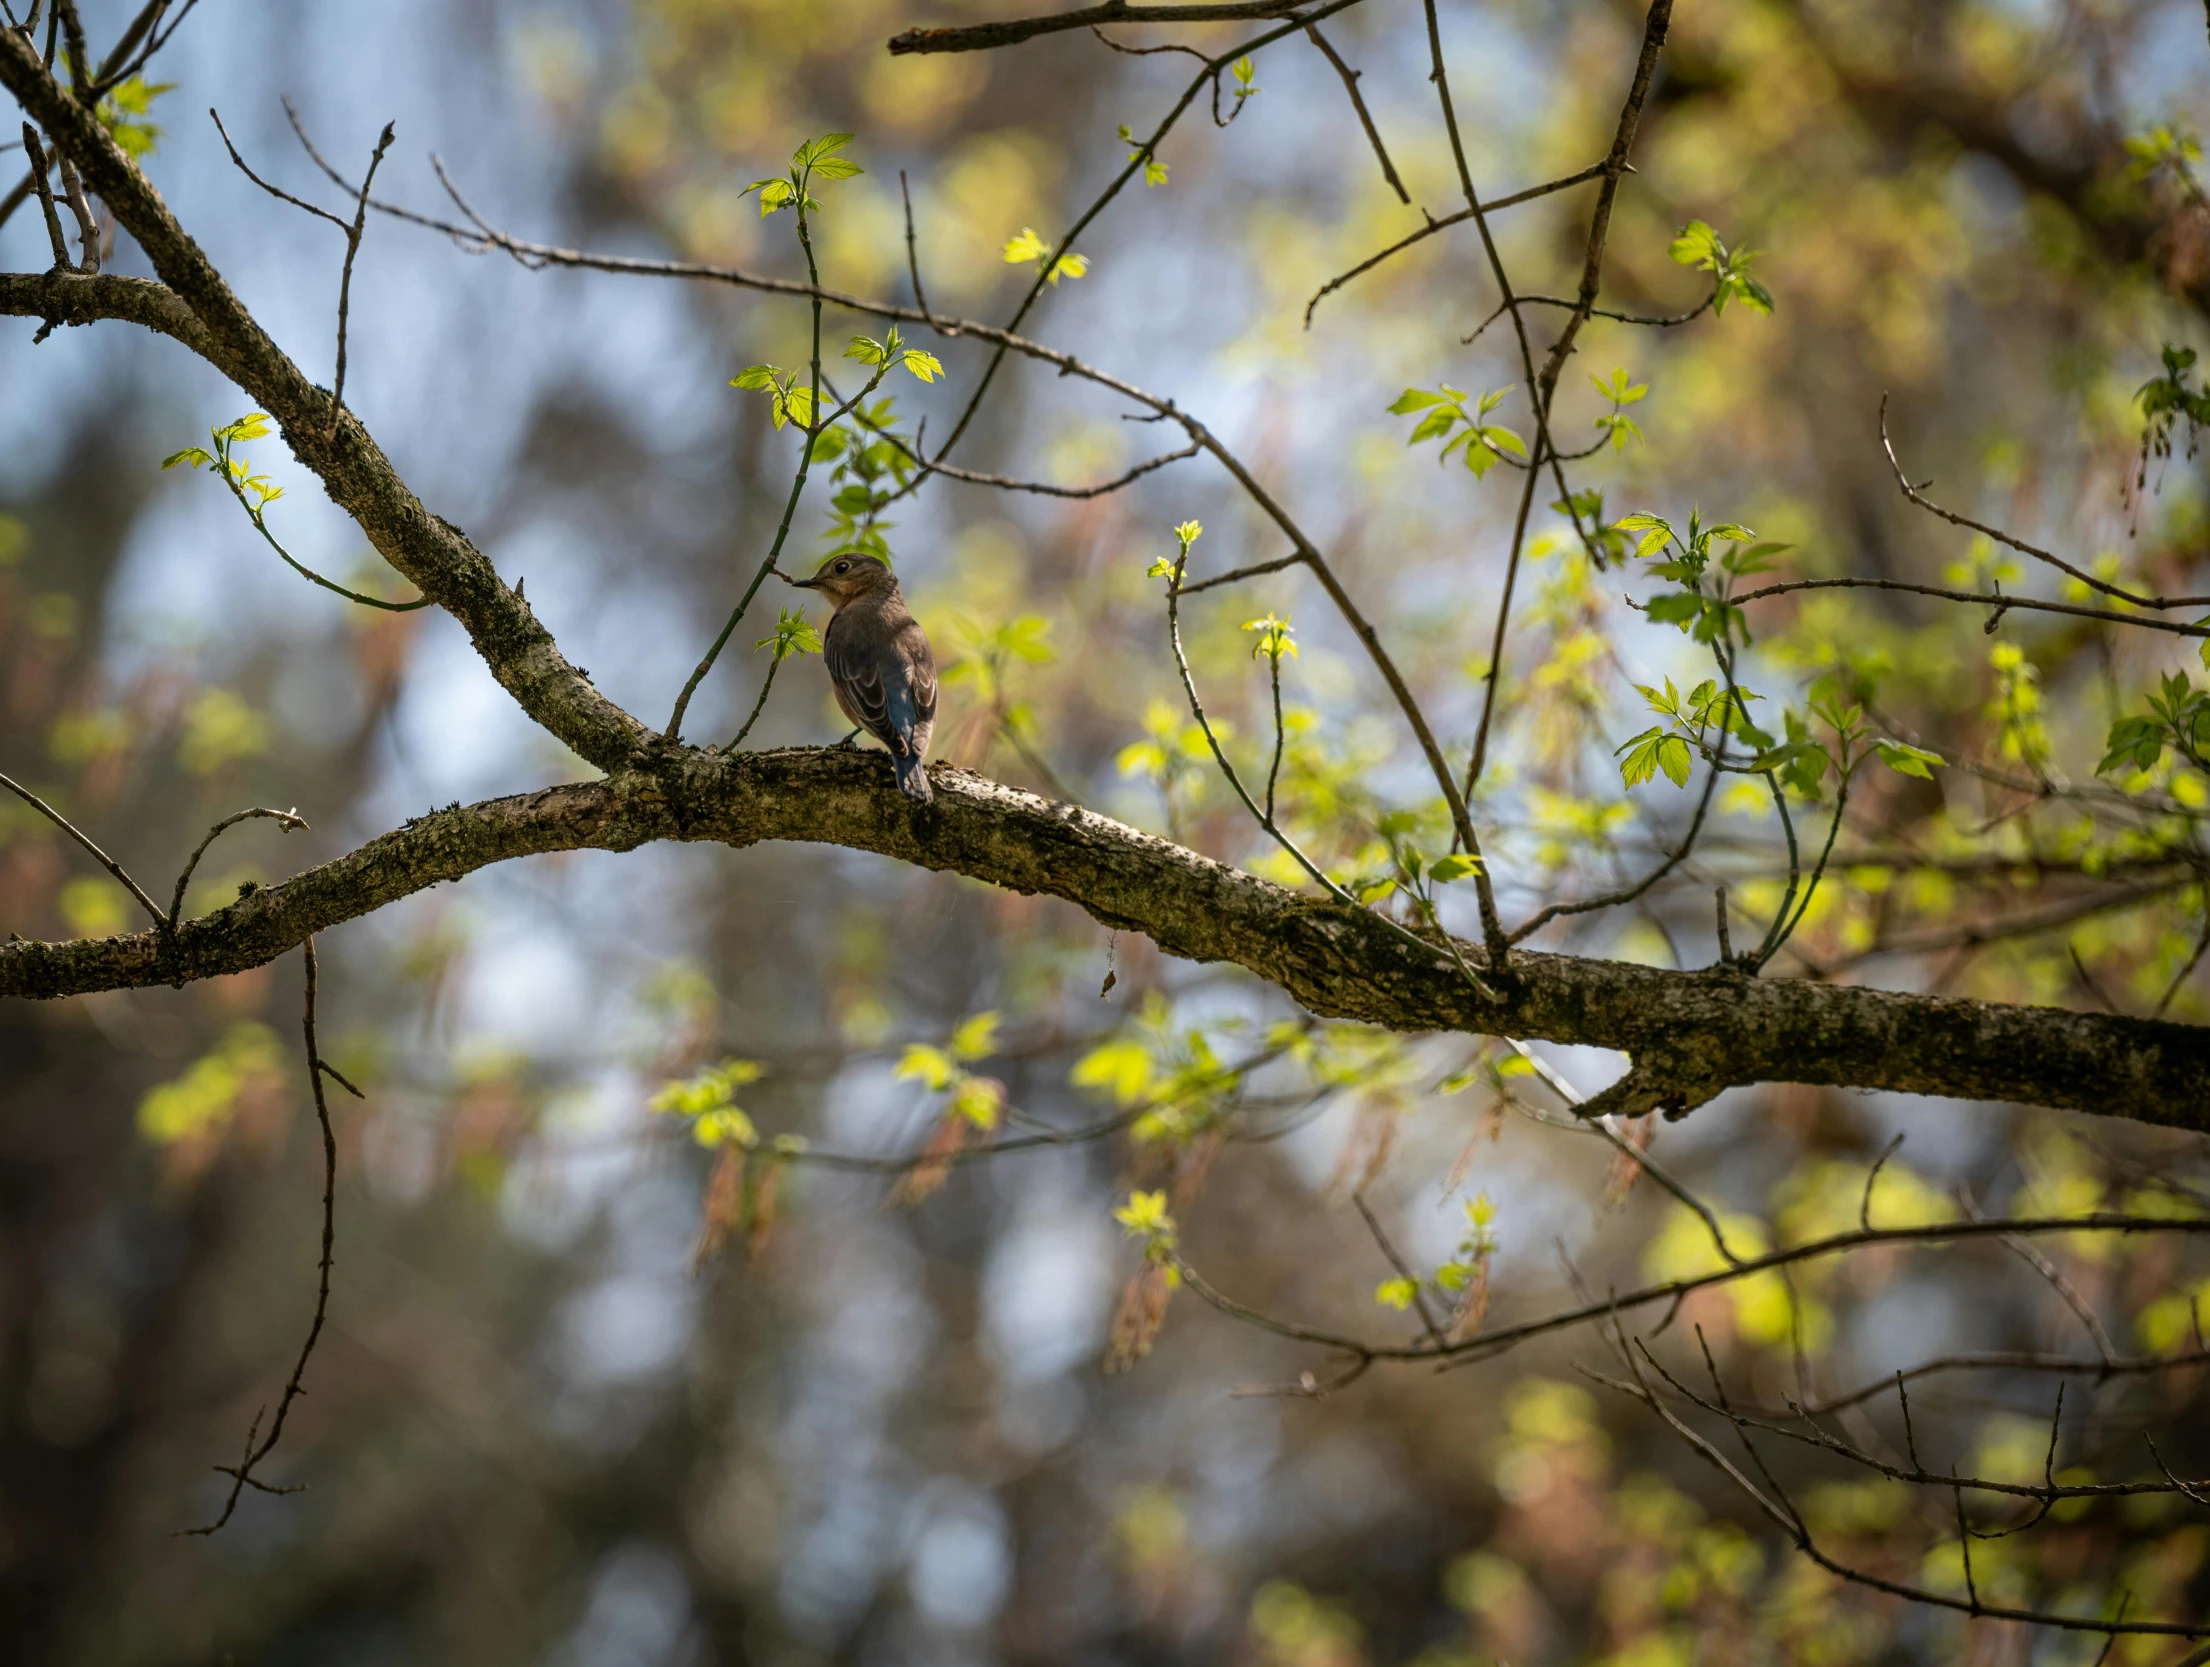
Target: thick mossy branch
{"type": "Point", "coordinates": [1690, 1032]}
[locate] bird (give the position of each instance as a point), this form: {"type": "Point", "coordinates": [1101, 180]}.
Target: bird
{"type": "Point", "coordinates": [879, 664]}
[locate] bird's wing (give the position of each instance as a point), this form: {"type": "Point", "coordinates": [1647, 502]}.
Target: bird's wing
{"type": "Point", "coordinates": [915, 645]}
{"type": "Point", "coordinates": [870, 683]}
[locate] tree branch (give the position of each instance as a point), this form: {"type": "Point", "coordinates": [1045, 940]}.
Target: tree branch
{"type": "Point", "coordinates": [1335, 961]}
{"type": "Point", "coordinates": [985, 37]}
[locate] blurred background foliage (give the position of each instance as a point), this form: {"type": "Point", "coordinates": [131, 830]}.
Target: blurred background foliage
{"type": "Point", "coordinates": [873, 1428]}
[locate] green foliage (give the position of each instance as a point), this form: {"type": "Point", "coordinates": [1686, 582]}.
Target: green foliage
{"type": "Point", "coordinates": [873, 466]}
{"type": "Point", "coordinates": [126, 113]}
{"type": "Point", "coordinates": [811, 161]}
{"type": "Point", "coordinates": [891, 351]}
{"type": "Point", "coordinates": [794, 634]}
{"type": "Point", "coordinates": [1481, 442]}
{"type": "Point", "coordinates": [1154, 171]}
{"type": "Point", "coordinates": [205, 1098]}
{"type": "Point", "coordinates": [1689, 557]}
{"type": "Point", "coordinates": [2178, 716]}
{"type": "Point", "coordinates": [2168, 400]}
{"type": "Point", "coordinates": [790, 400]}
{"type": "Point", "coordinates": [708, 1099]}
{"type": "Point", "coordinates": [1274, 638]}
{"type": "Point", "coordinates": [1246, 80]}
{"type": "Point", "coordinates": [1615, 425]}
{"type": "Point", "coordinates": [1025, 246]}
{"type": "Point", "coordinates": [1701, 247]}
{"type": "Point", "coordinates": [976, 1099]}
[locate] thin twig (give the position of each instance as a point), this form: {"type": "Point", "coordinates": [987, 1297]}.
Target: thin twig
{"type": "Point", "coordinates": [241, 1474]}
{"type": "Point", "coordinates": [276, 191]}
{"type": "Point", "coordinates": [1365, 116]}
{"type": "Point", "coordinates": [1403, 1269]}
{"type": "Point", "coordinates": [912, 251]}
{"type": "Point", "coordinates": [1444, 223]}
{"type": "Point", "coordinates": [290, 820]}
{"type": "Point", "coordinates": [88, 228]}
{"type": "Point", "coordinates": [82, 838]}
{"type": "Point", "coordinates": [345, 280]}
{"type": "Point", "coordinates": [2020, 545]}
{"type": "Point", "coordinates": [39, 165]}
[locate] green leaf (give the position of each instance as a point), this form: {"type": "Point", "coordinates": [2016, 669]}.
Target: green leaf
{"type": "Point", "coordinates": [926, 366]}
{"type": "Point", "coordinates": [1673, 758]}
{"type": "Point", "coordinates": [836, 167]}
{"type": "Point", "coordinates": [194, 455]}
{"type": "Point", "coordinates": [1697, 245]}
{"type": "Point", "coordinates": [931, 1067]}
{"type": "Point", "coordinates": [976, 1038]}
{"type": "Point", "coordinates": [1675, 608]}
{"type": "Point", "coordinates": [1145, 1216]}
{"type": "Point", "coordinates": [1454, 867]}
{"type": "Point", "coordinates": [1434, 423]}
{"type": "Point", "coordinates": [1641, 760]}
{"type": "Point", "coordinates": [1394, 1293]}
{"type": "Point", "coordinates": [774, 194]}
{"type": "Point", "coordinates": [1025, 246]}
{"type": "Point", "coordinates": [1412, 399]}
{"type": "Point", "coordinates": [813, 150]}
{"type": "Point", "coordinates": [754, 377]}
{"type": "Point", "coordinates": [1909, 760]}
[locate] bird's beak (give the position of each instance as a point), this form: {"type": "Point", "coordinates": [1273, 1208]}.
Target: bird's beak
{"type": "Point", "coordinates": [804, 584]}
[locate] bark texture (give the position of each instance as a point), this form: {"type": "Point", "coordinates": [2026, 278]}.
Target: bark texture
{"type": "Point", "coordinates": [1690, 1033]}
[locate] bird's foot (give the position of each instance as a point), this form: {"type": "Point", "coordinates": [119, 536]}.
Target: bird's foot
{"type": "Point", "coordinates": [851, 740]}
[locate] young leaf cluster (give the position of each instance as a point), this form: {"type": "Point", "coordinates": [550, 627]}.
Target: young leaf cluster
{"type": "Point", "coordinates": [1411, 870]}
{"type": "Point", "coordinates": [2167, 400]}
{"type": "Point", "coordinates": [1026, 247]}
{"type": "Point", "coordinates": [977, 1099]}
{"type": "Point", "coordinates": [1615, 425]}
{"type": "Point", "coordinates": [816, 159]}
{"type": "Point", "coordinates": [236, 471]}
{"type": "Point", "coordinates": [1688, 557]}
{"type": "Point", "coordinates": [1481, 442]}
{"type": "Point", "coordinates": [1702, 248]}
{"type": "Point", "coordinates": [2178, 717]}
{"type": "Point", "coordinates": [708, 1099]}
{"type": "Point", "coordinates": [874, 467]}
{"type": "Point", "coordinates": [126, 111]}
{"type": "Point", "coordinates": [1154, 171]}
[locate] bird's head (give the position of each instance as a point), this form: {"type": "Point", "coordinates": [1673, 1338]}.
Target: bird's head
{"type": "Point", "coordinates": [846, 578]}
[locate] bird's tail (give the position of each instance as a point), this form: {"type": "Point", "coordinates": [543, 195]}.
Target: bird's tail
{"type": "Point", "coordinates": [913, 780]}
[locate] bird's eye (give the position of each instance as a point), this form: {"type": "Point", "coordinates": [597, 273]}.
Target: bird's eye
{"type": "Point", "coordinates": [844, 567]}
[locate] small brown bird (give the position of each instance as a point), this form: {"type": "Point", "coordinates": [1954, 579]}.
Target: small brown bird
{"type": "Point", "coordinates": [879, 664]}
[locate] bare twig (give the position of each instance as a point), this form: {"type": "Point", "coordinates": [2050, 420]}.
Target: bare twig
{"type": "Point", "coordinates": [39, 165]}
{"type": "Point", "coordinates": [88, 228]}
{"type": "Point", "coordinates": [345, 281]}
{"type": "Point", "coordinates": [1444, 223]}
{"type": "Point", "coordinates": [82, 838]}
{"type": "Point", "coordinates": [2117, 592]}
{"type": "Point", "coordinates": [1403, 1269]}
{"type": "Point", "coordinates": [241, 1474]}
{"type": "Point", "coordinates": [2075, 610]}
{"type": "Point", "coordinates": [289, 819]}
{"type": "Point", "coordinates": [985, 37]}
{"type": "Point", "coordinates": [1365, 117]}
